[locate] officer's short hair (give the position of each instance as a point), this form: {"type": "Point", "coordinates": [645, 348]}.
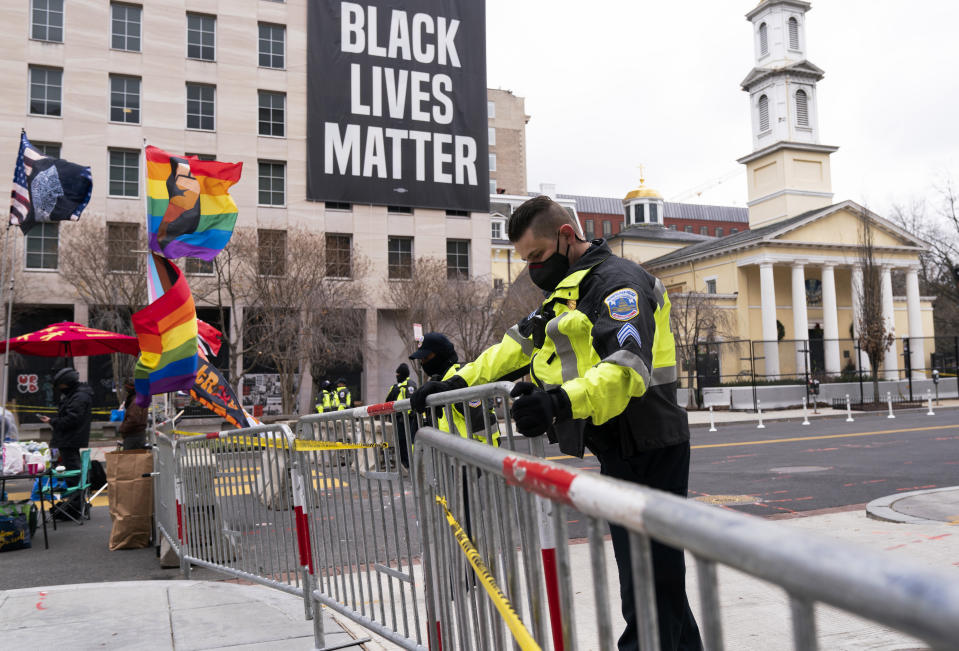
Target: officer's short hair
{"type": "Point", "coordinates": [543, 215]}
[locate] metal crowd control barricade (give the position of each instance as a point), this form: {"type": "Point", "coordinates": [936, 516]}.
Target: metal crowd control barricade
{"type": "Point", "coordinates": [166, 506]}
{"type": "Point", "coordinates": [361, 500]}
{"type": "Point", "coordinates": [482, 572]}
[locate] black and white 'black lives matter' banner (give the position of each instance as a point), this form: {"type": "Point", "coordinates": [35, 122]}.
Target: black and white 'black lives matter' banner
{"type": "Point", "coordinates": [397, 103]}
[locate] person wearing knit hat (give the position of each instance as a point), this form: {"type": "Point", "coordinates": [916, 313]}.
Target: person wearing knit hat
{"type": "Point", "coordinates": [401, 391]}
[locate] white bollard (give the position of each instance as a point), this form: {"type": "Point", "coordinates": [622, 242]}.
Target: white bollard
{"type": "Point", "coordinates": [712, 423]}
{"type": "Point", "coordinates": [805, 412]}
{"type": "Point", "coordinates": [759, 409]}
{"type": "Point", "coordinates": [930, 412]}
{"type": "Point", "coordinates": [889, 402]}
{"type": "Point", "coordinates": [849, 418]}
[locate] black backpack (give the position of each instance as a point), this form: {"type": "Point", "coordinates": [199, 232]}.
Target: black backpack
{"type": "Point", "coordinates": [98, 476]}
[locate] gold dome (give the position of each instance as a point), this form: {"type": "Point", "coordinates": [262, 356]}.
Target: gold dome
{"type": "Point", "coordinates": [642, 192]}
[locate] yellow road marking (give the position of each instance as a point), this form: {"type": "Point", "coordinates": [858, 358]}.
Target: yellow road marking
{"type": "Point", "coordinates": [798, 438]}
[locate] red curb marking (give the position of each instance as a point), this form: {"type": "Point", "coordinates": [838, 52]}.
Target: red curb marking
{"type": "Point", "coordinates": [40, 606]}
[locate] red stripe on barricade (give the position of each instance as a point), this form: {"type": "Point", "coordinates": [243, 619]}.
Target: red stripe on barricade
{"type": "Point", "coordinates": [552, 597]}
{"type": "Point", "coordinates": [380, 409]}
{"type": "Point", "coordinates": [303, 538]}
{"type": "Point", "coordinates": [552, 483]}
{"type": "Point", "coordinates": [213, 435]}
{"type": "Point", "coordinates": [179, 523]}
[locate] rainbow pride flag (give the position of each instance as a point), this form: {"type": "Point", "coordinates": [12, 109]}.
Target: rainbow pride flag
{"type": "Point", "coordinates": [189, 208]}
{"type": "Point", "coordinates": [167, 332]}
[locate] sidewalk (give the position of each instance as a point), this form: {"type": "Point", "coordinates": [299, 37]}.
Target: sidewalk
{"type": "Point", "coordinates": [181, 615]}
{"type": "Point", "coordinates": [698, 418]}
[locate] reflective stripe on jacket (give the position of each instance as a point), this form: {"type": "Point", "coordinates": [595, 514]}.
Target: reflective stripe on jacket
{"type": "Point", "coordinates": [603, 336]}
{"type": "Point", "coordinates": [342, 399]}
{"type": "Point", "coordinates": [477, 422]}
{"type": "Point", "coordinates": [326, 402]}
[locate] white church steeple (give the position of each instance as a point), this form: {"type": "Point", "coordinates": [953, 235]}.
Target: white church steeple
{"type": "Point", "coordinates": [788, 171]}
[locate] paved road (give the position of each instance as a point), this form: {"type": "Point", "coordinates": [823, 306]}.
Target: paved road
{"type": "Point", "coordinates": [788, 468]}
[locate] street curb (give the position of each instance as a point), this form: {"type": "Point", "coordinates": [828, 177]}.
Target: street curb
{"type": "Point", "coordinates": [771, 416]}
{"type": "Point", "coordinates": [881, 508]}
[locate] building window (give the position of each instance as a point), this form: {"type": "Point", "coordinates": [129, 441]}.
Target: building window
{"type": "Point", "coordinates": [457, 213]}
{"type": "Point", "coordinates": [653, 213]}
{"type": "Point", "coordinates": [399, 252]}
{"type": "Point", "coordinates": [399, 210]}
{"type": "Point", "coordinates": [672, 227]}
{"type": "Point", "coordinates": [122, 242]}
{"type": "Point", "coordinates": [339, 205]}
{"type": "Point", "coordinates": [499, 287]}
{"type": "Point", "coordinates": [124, 99]}
{"type": "Point", "coordinates": [200, 106]}
{"type": "Point", "coordinates": [198, 267]}
{"type": "Point", "coordinates": [492, 136]}
{"type": "Point", "coordinates": [457, 259]}
{"type": "Point", "coordinates": [588, 229]}
{"type": "Point", "coordinates": [339, 249]}
{"type": "Point", "coordinates": [688, 229]}
{"type": "Point", "coordinates": [763, 113]}
{"type": "Point", "coordinates": [46, 90]}
{"type": "Point", "coordinates": [733, 231]}
{"type": "Point", "coordinates": [271, 252]}
{"type": "Point", "coordinates": [802, 109]}
{"type": "Point", "coordinates": [638, 216]}
{"type": "Point", "coordinates": [704, 230]}
{"type": "Point", "coordinates": [492, 186]}
{"type": "Point", "coordinates": [272, 183]}
{"type": "Point", "coordinates": [51, 149]}
{"type": "Point", "coordinates": [607, 228]}
{"type": "Point", "coordinates": [793, 33]}
{"type": "Point", "coordinates": [711, 286]}
{"type": "Point", "coordinates": [490, 109]}
{"type": "Point", "coordinates": [124, 173]}
{"type": "Point", "coordinates": [492, 162]}
{"type": "Point", "coordinates": [763, 40]}
{"type": "Point", "coordinates": [272, 45]}
{"type": "Point", "coordinates": [42, 245]}
{"type": "Point", "coordinates": [719, 232]}
{"type": "Point", "coordinates": [496, 229]}
{"type": "Point", "coordinates": [125, 27]}
{"type": "Point", "coordinates": [201, 37]}
{"type": "Point", "coordinates": [272, 113]}
{"type": "Point", "coordinates": [47, 20]}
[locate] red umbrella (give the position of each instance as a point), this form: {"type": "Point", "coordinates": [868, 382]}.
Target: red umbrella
{"type": "Point", "coordinates": [68, 339]}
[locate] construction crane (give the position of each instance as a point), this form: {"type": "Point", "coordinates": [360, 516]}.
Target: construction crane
{"type": "Point", "coordinates": [697, 191]}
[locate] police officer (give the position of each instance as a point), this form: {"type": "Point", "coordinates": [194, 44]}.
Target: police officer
{"type": "Point", "coordinates": [401, 391]}
{"type": "Point", "coordinates": [603, 362]}
{"type": "Point", "coordinates": [325, 399]}
{"type": "Point", "coordinates": [342, 399]}
{"type": "Point", "coordinates": [403, 387]}
{"type": "Point", "coordinates": [440, 362]}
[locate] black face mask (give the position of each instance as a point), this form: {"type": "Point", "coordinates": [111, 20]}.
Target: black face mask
{"type": "Point", "coordinates": [435, 366]}
{"type": "Point", "coordinates": [547, 274]}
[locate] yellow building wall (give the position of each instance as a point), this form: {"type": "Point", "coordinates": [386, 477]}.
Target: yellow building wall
{"type": "Point", "coordinates": [640, 251]}
{"type": "Point", "coordinates": [842, 227]}
{"type": "Point", "coordinates": [787, 169]}
{"type": "Point", "coordinates": [505, 265]}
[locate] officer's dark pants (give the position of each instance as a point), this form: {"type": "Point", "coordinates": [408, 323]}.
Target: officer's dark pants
{"type": "Point", "coordinates": [70, 459]}
{"type": "Point", "coordinates": [666, 469]}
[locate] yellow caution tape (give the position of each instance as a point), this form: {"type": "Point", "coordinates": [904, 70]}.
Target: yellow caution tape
{"type": "Point", "coordinates": [299, 445]}
{"type": "Point", "coordinates": [523, 637]}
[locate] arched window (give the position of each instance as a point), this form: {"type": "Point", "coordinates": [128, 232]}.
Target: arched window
{"type": "Point", "coordinates": [763, 43]}
{"type": "Point", "coordinates": [763, 113]}
{"type": "Point", "coordinates": [793, 33]}
{"type": "Point", "coordinates": [653, 213]}
{"type": "Point", "coordinates": [638, 216]}
{"type": "Point", "coordinates": [802, 109]}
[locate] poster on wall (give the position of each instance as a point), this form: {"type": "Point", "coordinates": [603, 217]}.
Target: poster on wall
{"type": "Point", "coordinates": [396, 103]}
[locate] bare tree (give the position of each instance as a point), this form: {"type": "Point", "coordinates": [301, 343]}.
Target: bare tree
{"type": "Point", "coordinates": [695, 319]}
{"type": "Point", "coordinates": [419, 299]}
{"type": "Point", "coordinates": [521, 298]}
{"type": "Point", "coordinates": [471, 306]}
{"type": "Point", "coordinates": [874, 337]}
{"type": "Point", "coordinates": [109, 275]}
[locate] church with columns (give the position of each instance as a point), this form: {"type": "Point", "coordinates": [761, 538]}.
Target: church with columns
{"type": "Point", "coordinates": [793, 279]}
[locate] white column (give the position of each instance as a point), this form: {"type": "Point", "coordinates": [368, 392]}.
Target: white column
{"type": "Point", "coordinates": [916, 352]}
{"type": "Point", "coordinates": [830, 320]}
{"type": "Point", "coordinates": [857, 314]}
{"type": "Point", "coordinates": [81, 315]}
{"type": "Point", "coordinates": [770, 335]}
{"type": "Point", "coordinates": [800, 318]}
{"type": "Point", "coordinates": [890, 359]}
{"type": "Point", "coordinates": [372, 388]}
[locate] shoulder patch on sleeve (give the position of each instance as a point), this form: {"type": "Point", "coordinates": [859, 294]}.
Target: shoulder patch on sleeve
{"type": "Point", "coordinates": [623, 304]}
{"type": "Point", "coordinates": [628, 331]}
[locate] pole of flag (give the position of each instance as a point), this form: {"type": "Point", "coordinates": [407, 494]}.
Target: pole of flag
{"type": "Point", "coordinates": [5, 381]}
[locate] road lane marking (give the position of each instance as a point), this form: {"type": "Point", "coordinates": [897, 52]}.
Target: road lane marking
{"type": "Point", "coordinates": [796, 438]}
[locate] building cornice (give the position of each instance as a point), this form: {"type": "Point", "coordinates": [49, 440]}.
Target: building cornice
{"type": "Point", "coordinates": [768, 4]}
{"type": "Point", "coordinates": [779, 193]}
{"type": "Point", "coordinates": [786, 144]}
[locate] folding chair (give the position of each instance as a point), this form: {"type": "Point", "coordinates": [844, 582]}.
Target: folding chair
{"type": "Point", "coordinates": [82, 488]}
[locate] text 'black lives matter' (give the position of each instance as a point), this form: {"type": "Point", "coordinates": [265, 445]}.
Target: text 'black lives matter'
{"type": "Point", "coordinates": [396, 102]}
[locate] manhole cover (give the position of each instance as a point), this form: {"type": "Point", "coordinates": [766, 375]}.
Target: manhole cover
{"type": "Point", "coordinates": [791, 469]}
{"type": "Point", "coordinates": [728, 499]}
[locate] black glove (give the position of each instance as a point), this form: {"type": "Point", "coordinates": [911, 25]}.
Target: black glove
{"type": "Point", "coordinates": [534, 410]}
{"type": "Point", "coordinates": [418, 399]}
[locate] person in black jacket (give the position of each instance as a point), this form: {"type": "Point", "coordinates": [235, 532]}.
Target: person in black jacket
{"type": "Point", "coordinates": [401, 391]}
{"type": "Point", "coordinates": [71, 426]}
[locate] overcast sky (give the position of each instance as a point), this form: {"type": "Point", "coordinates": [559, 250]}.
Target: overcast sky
{"type": "Point", "coordinates": [612, 84]}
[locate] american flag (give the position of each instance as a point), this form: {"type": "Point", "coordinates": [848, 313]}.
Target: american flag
{"type": "Point", "coordinates": [19, 195]}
